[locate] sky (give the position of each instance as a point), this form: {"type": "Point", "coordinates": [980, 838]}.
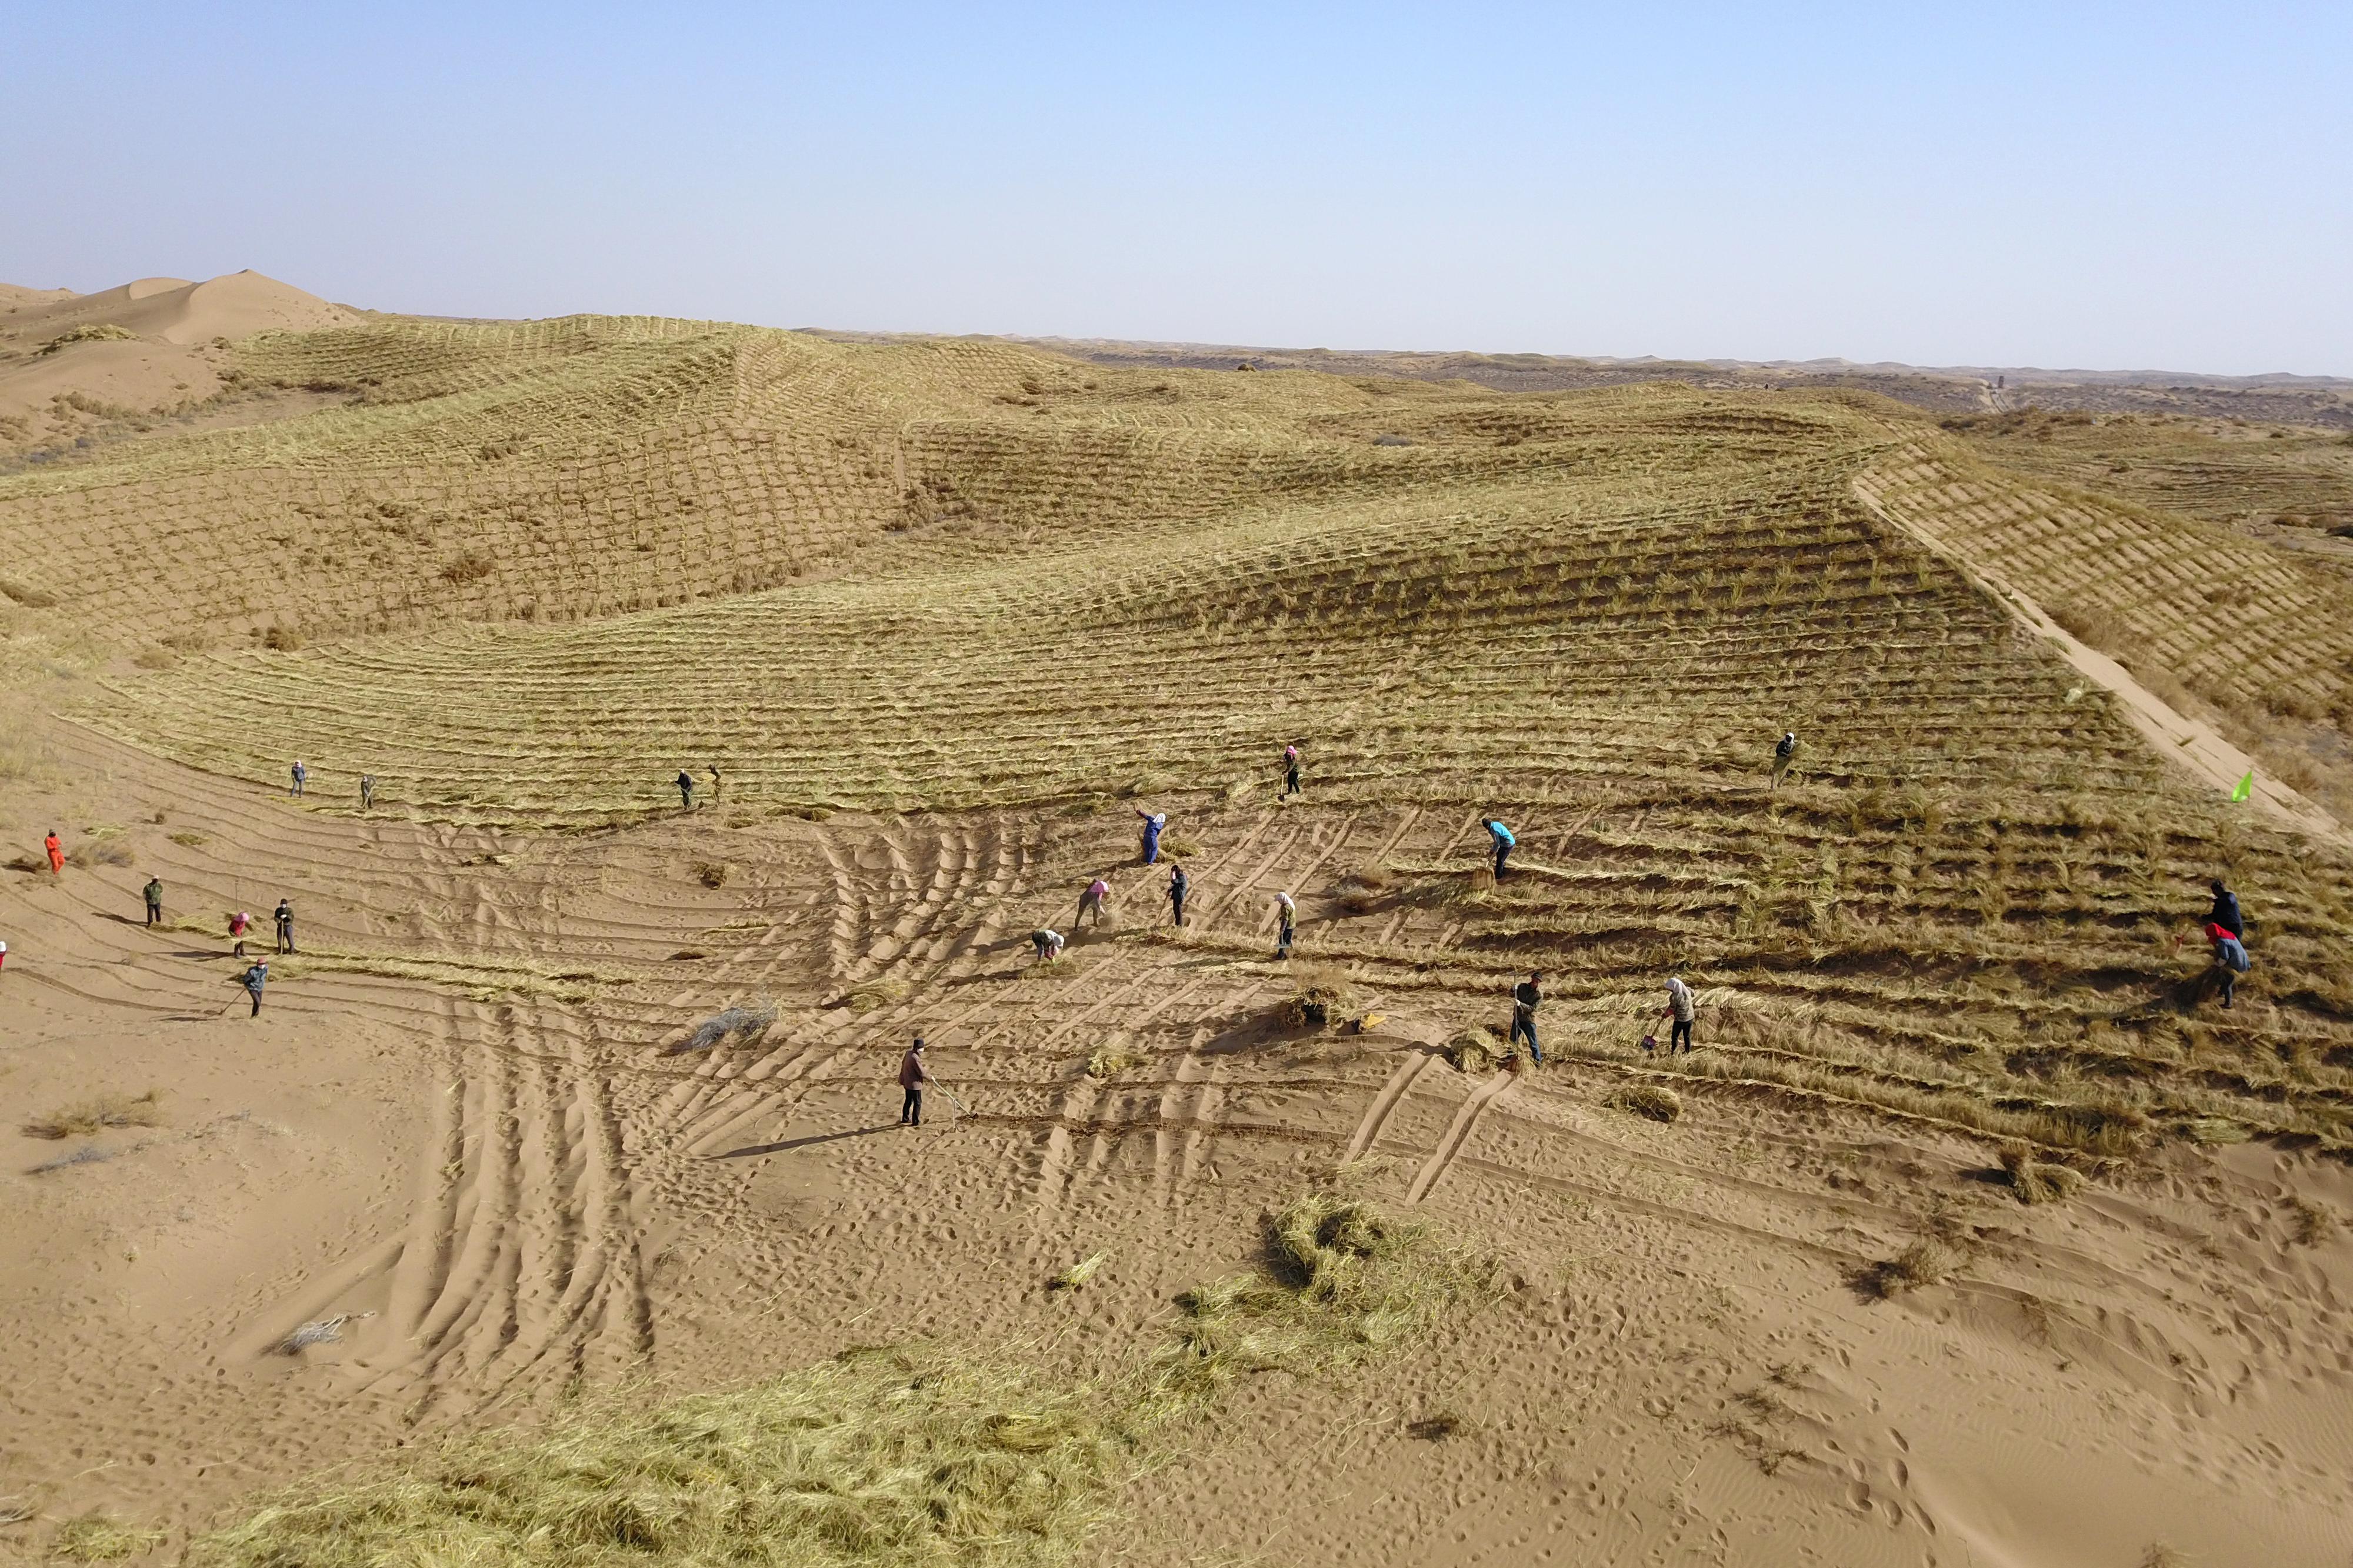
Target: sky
{"type": "Point", "coordinates": [2095, 186]}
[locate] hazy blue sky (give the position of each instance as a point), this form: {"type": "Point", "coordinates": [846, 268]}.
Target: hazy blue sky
{"type": "Point", "coordinates": [2082, 186]}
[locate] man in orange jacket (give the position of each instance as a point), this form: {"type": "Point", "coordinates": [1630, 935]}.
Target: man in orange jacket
{"type": "Point", "coordinates": [56, 854]}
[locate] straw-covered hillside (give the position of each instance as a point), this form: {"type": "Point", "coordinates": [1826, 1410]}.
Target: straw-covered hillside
{"type": "Point", "coordinates": [936, 618]}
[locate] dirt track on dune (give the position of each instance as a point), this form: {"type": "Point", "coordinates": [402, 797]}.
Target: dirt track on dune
{"type": "Point", "coordinates": [461, 1127]}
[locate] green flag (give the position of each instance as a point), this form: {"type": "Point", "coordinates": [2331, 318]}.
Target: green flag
{"type": "Point", "coordinates": [2246, 786]}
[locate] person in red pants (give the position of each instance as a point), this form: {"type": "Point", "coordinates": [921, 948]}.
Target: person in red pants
{"type": "Point", "coordinates": [56, 854]}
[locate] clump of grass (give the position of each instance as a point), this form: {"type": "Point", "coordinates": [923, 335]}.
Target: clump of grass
{"type": "Point", "coordinates": [99, 1537]}
{"type": "Point", "coordinates": [90, 333]}
{"type": "Point", "coordinates": [97, 1115]}
{"type": "Point", "coordinates": [1323, 996]}
{"type": "Point", "coordinates": [2037, 1181]}
{"type": "Point", "coordinates": [1647, 1099]}
{"type": "Point", "coordinates": [1473, 1053]}
{"type": "Point", "coordinates": [1924, 1263]}
{"type": "Point", "coordinates": [188, 839]}
{"type": "Point", "coordinates": [712, 873]}
{"type": "Point", "coordinates": [2312, 1222]}
{"type": "Point", "coordinates": [879, 1456]}
{"type": "Point", "coordinates": [318, 1331]}
{"type": "Point", "coordinates": [1076, 1275]}
{"type": "Point", "coordinates": [2160, 1555]}
{"type": "Point", "coordinates": [280, 637]}
{"type": "Point", "coordinates": [896, 1457]}
{"type": "Point", "coordinates": [872, 995]}
{"type": "Point", "coordinates": [1436, 1428]}
{"type": "Point", "coordinates": [1109, 1061]}
{"type": "Point", "coordinates": [1362, 892]}
{"type": "Point", "coordinates": [104, 850]}
{"type": "Point", "coordinates": [740, 1022]}
{"type": "Point", "coordinates": [1176, 849]}
{"type": "Point", "coordinates": [1343, 1281]}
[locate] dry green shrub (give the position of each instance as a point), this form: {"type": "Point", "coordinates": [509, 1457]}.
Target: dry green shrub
{"type": "Point", "coordinates": [712, 873]}
{"type": "Point", "coordinates": [471, 567]}
{"type": "Point", "coordinates": [1655, 1101]}
{"type": "Point", "coordinates": [1110, 1062]}
{"type": "Point", "coordinates": [154, 655]}
{"type": "Point", "coordinates": [1926, 1262]}
{"type": "Point", "coordinates": [2037, 1181]}
{"type": "Point", "coordinates": [189, 839]}
{"type": "Point", "coordinates": [281, 637]}
{"type": "Point", "coordinates": [97, 1115]}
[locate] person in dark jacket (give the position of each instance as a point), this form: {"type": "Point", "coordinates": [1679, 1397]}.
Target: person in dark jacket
{"type": "Point", "coordinates": [2225, 912]}
{"type": "Point", "coordinates": [913, 1076]}
{"type": "Point", "coordinates": [1784, 753]}
{"type": "Point", "coordinates": [301, 774]}
{"type": "Point", "coordinates": [2230, 958]}
{"type": "Point", "coordinates": [284, 916]}
{"type": "Point", "coordinates": [1526, 998]}
{"type": "Point", "coordinates": [154, 891]}
{"type": "Point", "coordinates": [685, 790]}
{"type": "Point", "coordinates": [1178, 885]}
{"type": "Point", "coordinates": [1290, 770]}
{"type": "Point", "coordinates": [253, 980]}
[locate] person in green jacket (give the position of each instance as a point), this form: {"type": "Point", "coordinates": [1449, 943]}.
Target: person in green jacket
{"type": "Point", "coordinates": [154, 891]}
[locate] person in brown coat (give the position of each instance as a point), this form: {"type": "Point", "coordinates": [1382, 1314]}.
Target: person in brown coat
{"type": "Point", "coordinates": [913, 1076]}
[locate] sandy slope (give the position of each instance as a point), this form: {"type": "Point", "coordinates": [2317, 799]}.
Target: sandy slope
{"type": "Point", "coordinates": [524, 1188]}
{"type": "Point", "coordinates": [168, 363]}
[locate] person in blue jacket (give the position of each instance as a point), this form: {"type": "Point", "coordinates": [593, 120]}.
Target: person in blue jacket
{"type": "Point", "coordinates": [2230, 957]}
{"type": "Point", "coordinates": [1154, 821]}
{"type": "Point", "coordinates": [1503, 843]}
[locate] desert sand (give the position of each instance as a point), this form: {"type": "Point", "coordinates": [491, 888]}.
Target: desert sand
{"type": "Point", "coordinates": [471, 1153]}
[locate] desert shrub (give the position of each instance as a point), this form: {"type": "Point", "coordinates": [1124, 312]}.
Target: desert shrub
{"type": "Point", "coordinates": [1109, 1061]}
{"type": "Point", "coordinates": [1924, 1263]}
{"type": "Point", "coordinates": [742, 1022]}
{"type": "Point", "coordinates": [105, 850]}
{"type": "Point", "coordinates": [1436, 1428]}
{"type": "Point", "coordinates": [712, 873]}
{"type": "Point", "coordinates": [2311, 1223]}
{"type": "Point", "coordinates": [471, 567]}
{"type": "Point", "coordinates": [154, 655]}
{"type": "Point", "coordinates": [1647, 1099]}
{"type": "Point", "coordinates": [280, 637]}
{"type": "Point", "coordinates": [93, 332]}
{"type": "Point", "coordinates": [96, 1115]}
{"type": "Point", "coordinates": [102, 1538]}
{"type": "Point", "coordinates": [1361, 892]}
{"type": "Point", "coordinates": [2036, 1181]}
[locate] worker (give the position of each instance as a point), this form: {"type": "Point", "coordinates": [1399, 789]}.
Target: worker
{"type": "Point", "coordinates": [685, 790]}
{"type": "Point", "coordinates": [1290, 770]}
{"type": "Point", "coordinates": [1154, 821]}
{"type": "Point", "coordinates": [237, 924]}
{"type": "Point", "coordinates": [283, 917]}
{"type": "Point", "coordinates": [1045, 944]}
{"type": "Point", "coordinates": [1286, 914]}
{"type": "Point", "coordinates": [1526, 998]}
{"type": "Point", "coordinates": [154, 892]}
{"type": "Point", "coordinates": [1179, 884]}
{"type": "Point", "coordinates": [253, 980]}
{"type": "Point", "coordinates": [1784, 753]}
{"type": "Point", "coordinates": [1681, 1005]}
{"type": "Point", "coordinates": [913, 1076]}
{"type": "Point", "coordinates": [56, 854]}
{"type": "Point", "coordinates": [1092, 901]}
{"type": "Point", "coordinates": [1501, 837]}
